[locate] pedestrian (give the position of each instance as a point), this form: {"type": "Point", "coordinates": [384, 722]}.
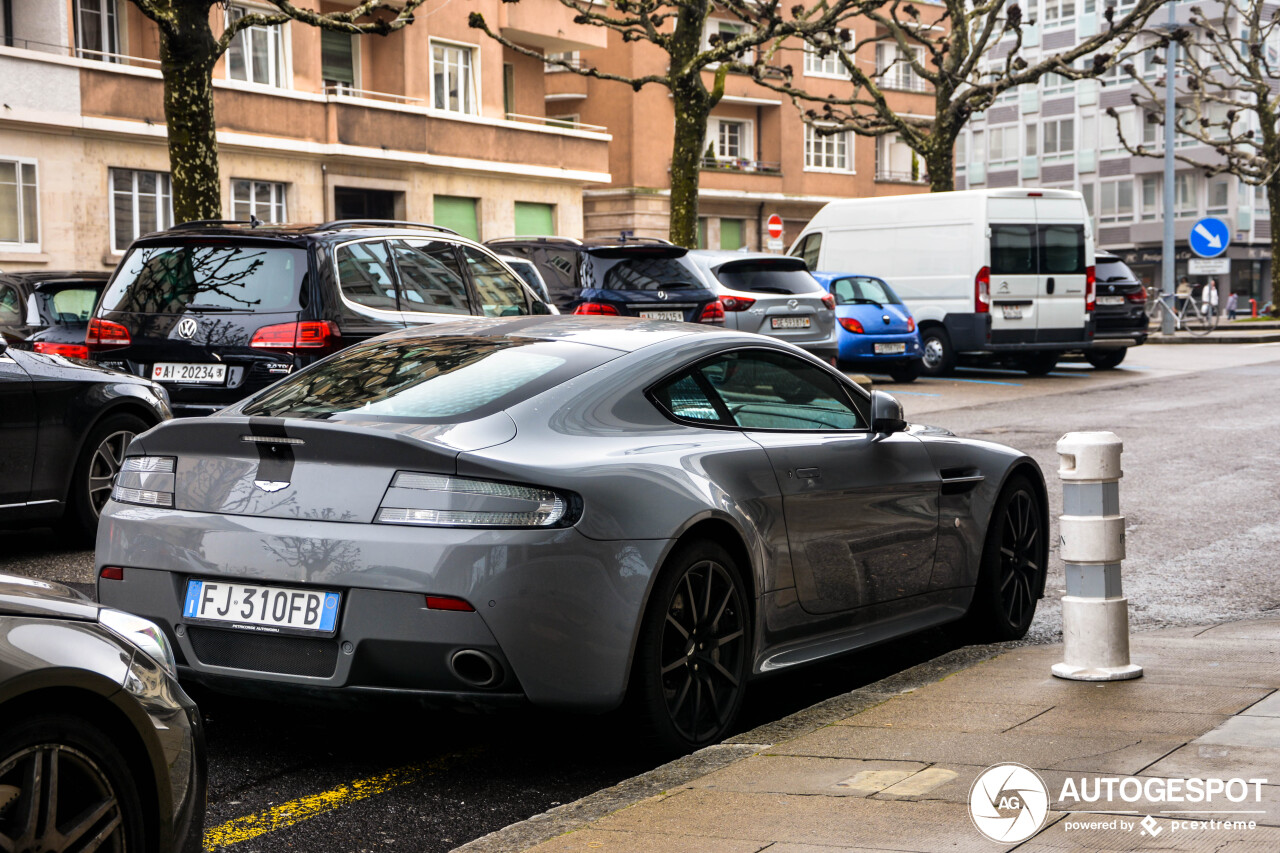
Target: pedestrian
{"type": "Point", "coordinates": [1232, 301]}
{"type": "Point", "coordinates": [1209, 298]}
{"type": "Point", "coordinates": [1183, 293]}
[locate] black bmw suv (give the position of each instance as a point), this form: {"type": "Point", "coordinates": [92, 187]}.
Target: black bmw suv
{"type": "Point", "coordinates": [1120, 318]}
{"type": "Point", "coordinates": [218, 310]}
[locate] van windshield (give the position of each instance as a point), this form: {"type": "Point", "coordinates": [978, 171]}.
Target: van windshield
{"type": "Point", "coordinates": [207, 277]}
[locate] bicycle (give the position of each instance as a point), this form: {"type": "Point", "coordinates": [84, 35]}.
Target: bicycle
{"type": "Point", "coordinates": [1189, 316]}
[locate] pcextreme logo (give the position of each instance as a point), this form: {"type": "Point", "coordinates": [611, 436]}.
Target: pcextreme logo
{"type": "Point", "coordinates": [1008, 802]}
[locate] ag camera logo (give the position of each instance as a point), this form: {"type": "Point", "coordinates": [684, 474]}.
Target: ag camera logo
{"type": "Point", "coordinates": [1008, 803]}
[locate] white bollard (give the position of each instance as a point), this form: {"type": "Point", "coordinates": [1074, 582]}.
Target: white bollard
{"type": "Point", "coordinates": [1095, 613]}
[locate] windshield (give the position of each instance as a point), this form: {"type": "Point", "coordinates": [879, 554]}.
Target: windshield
{"type": "Point", "coordinates": [863, 290]}
{"type": "Point", "coordinates": [207, 277]}
{"type": "Point", "coordinates": [59, 307]}
{"type": "Point", "coordinates": [447, 379]}
{"type": "Point", "coordinates": [638, 273]}
{"type": "Point", "coordinates": [767, 277]}
{"type": "Point", "coordinates": [1112, 270]}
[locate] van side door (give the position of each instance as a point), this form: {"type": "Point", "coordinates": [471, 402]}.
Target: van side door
{"type": "Point", "coordinates": [1062, 266]}
{"type": "Point", "coordinates": [1015, 282]}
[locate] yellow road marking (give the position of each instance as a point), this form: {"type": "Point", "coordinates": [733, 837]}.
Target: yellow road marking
{"type": "Point", "coordinates": [304, 808]}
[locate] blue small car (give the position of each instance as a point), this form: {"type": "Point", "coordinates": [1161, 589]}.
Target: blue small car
{"type": "Point", "coordinates": [877, 333]}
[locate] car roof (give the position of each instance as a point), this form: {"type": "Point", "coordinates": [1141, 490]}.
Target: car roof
{"type": "Point", "coordinates": [828, 277]}
{"type": "Point", "coordinates": [626, 334]}
{"type": "Point", "coordinates": [50, 277]}
{"type": "Point", "coordinates": [573, 244]}
{"type": "Point", "coordinates": [300, 232]}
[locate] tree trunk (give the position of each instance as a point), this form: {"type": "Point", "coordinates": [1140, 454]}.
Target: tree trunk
{"type": "Point", "coordinates": [187, 59]}
{"type": "Point", "coordinates": [940, 162]}
{"type": "Point", "coordinates": [686, 163]}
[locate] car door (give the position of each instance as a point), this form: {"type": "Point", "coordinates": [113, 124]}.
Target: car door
{"type": "Point", "coordinates": [1062, 268]}
{"type": "Point", "coordinates": [18, 426]}
{"type": "Point", "coordinates": [432, 287]}
{"type": "Point", "coordinates": [1015, 282]}
{"type": "Point", "coordinates": [499, 293]}
{"type": "Point", "coordinates": [367, 284]}
{"type": "Point", "coordinates": [861, 510]}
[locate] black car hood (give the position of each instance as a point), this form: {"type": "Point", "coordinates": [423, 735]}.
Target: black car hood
{"type": "Point", "coordinates": [21, 596]}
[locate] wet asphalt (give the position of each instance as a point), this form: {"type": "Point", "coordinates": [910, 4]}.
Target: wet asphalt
{"type": "Point", "coordinates": [1200, 492]}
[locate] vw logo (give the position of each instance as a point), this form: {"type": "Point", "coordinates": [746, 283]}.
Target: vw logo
{"type": "Point", "coordinates": [793, 304]}
{"type": "Point", "coordinates": [662, 294]}
{"type": "Point", "coordinates": [187, 328]}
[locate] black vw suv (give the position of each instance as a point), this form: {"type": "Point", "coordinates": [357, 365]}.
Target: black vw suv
{"type": "Point", "coordinates": [217, 310]}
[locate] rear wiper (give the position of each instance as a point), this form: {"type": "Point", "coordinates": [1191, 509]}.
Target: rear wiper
{"type": "Point", "coordinates": [197, 306]}
{"type": "Point", "coordinates": [770, 290]}
{"type": "Point", "coordinates": [860, 301]}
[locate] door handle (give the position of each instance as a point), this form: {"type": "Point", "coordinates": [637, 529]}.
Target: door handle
{"type": "Point", "coordinates": [1048, 285]}
{"type": "Point", "coordinates": [808, 473]}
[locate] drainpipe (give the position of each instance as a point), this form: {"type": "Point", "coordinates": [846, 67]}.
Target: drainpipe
{"type": "Point", "coordinates": [8, 23]}
{"type": "Point", "coordinates": [760, 225]}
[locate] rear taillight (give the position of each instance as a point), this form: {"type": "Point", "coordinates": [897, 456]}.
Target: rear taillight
{"type": "Point", "coordinates": [736, 303]}
{"type": "Point", "coordinates": [67, 350]}
{"type": "Point", "coordinates": [145, 480]}
{"type": "Point", "coordinates": [829, 301]}
{"type": "Point", "coordinates": [911, 324]}
{"type": "Point", "coordinates": [1090, 289]}
{"type": "Point", "coordinates": [851, 325]}
{"type": "Point", "coordinates": [596, 309]}
{"type": "Point", "coordinates": [712, 312]}
{"type": "Point", "coordinates": [982, 291]}
{"type": "Point", "coordinates": [111, 573]}
{"type": "Point", "coordinates": [308, 335]}
{"type": "Point", "coordinates": [447, 602]}
{"type": "Point", "coordinates": [1139, 295]}
{"type": "Point", "coordinates": [437, 500]}
{"type": "Point", "coordinates": [104, 334]}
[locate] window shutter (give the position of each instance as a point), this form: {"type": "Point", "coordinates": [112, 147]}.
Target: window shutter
{"type": "Point", "coordinates": [458, 214]}
{"type": "Point", "coordinates": [336, 57]}
{"type": "Point", "coordinates": [534, 219]}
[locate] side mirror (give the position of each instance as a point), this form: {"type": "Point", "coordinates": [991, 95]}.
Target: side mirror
{"type": "Point", "coordinates": [886, 413]}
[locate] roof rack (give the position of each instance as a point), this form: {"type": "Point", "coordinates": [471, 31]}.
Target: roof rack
{"type": "Point", "coordinates": [212, 223]}
{"type": "Point", "coordinates": [552, 239]}
{"type": "Point", "coordinates": [357, 223]}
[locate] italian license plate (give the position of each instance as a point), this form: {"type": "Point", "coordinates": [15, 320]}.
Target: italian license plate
{"type": "Point", "coordinates": [1110, 300]}
{"type": "Point", "coordinates": [662, 315]}
{"type": "Point", "coordinates": [890, 349]}
{"type": "Point", "coordinates": [1012, 312]}
{"type": "Point", "coordinates": [262, 608]}
{"type": "Point", "coordinates": [197, 374]}
{"type": "Point", "coordinates": [789, 322]}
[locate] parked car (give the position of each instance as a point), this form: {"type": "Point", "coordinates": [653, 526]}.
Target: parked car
{"type": "Point", "coordinates": [64, 428]}
{"type": "Point", "coordinates": [1120, 318]}
{"type": "Point", "coordinates": [1001, 274]}
{"type": "Point", "coordinates": [218, 310]}
{"type": "Point", "coordinates": [632, 277]}
{"type": "Point", "coordinates": [100, 749]}
{"type": "Point", "coordinates": [877, 332]}
{"type": "Point", "coordinates": [771, 295]}
{"type": "Point", "coordinates": [529, 272]}
{"type": "Point", "coordinates": [564, 510]}
{"type": "Point", "coordinates": [49, 311]}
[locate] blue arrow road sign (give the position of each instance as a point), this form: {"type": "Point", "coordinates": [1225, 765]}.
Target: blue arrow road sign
{"type": "Point", "coordinates": [1209, 237]}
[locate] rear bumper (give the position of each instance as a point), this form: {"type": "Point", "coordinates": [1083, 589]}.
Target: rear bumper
{"type": "Point", "coordinates": [557, 612]}
{"type": "Point", "coordinates": [973, 333]}
{"type": "Point", "coordinates": [856, 348]}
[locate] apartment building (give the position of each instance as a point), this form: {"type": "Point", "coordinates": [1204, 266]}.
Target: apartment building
{"type": "Point", "coordinates": [1058, 134]}
{"type": "Point", "coordinates": [433, 123]}
{"type": "Point", "coordinates": [760, 159]}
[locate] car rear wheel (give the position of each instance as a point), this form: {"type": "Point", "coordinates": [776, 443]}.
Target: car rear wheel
{"type": "Point", "coordinates": [1015, 556]}
{"type": "Point", "coordinates": [95, 472]}
{"type": "Point", "coordinates": [1039, 363]}
{"type": "Point", "coordinates": [692, 661]}
{"type": "Point", "coordinates": [65, 786]}
{"type": "Point", "coordinates": [1105, 359]}
{"type": "Point", "coordinates": [908, 372]}
{"type": "Point", "coordinates": [939, 358]}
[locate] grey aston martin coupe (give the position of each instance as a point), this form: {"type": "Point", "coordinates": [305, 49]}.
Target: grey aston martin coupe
{"type": "Point", "coordinates": [567, 510]}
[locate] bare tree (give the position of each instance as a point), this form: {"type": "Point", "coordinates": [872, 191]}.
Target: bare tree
{"type": "Point", "coordinates": [189, 50]}
{"type": "Point", "coordinates": [1226, 66]}
{"type": "Point", "coordinates": [967, 53]}
{"type": "Point", "coordinates": [677, 28]}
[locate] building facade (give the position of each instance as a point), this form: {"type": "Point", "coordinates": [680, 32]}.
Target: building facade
{"type": "Point", "coordinates": [1058, 134]}
{"type": "Point", "coordinates": [433, 123]}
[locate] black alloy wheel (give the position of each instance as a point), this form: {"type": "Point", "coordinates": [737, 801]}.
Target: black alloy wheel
{"type": "Point", "coordinates": [96, 470]}
{"type": "Point", "coordinates": [692, 664]}
{"type": "Point", "coordinates": [1106, 359]}
{"type": "Point", "coordinates": [1014, 560]}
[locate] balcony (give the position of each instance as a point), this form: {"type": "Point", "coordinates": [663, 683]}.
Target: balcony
{"type": "Point", "coordinates": [740, 165]}
{"type": "Point", "coordinates": [891, 176]}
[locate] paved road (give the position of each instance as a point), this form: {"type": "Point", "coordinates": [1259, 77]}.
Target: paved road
{"type": "Point", "coordinates": [1200, 493]}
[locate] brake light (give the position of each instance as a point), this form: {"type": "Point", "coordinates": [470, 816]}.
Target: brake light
{"type": "Point", "coordinates": [829, 301]}
{"type": "Point", "coordinates": [104, 333]}
{"type": "Point", "coordinates": [851, 325]}
{"type": "Point", "coordinates": [1090, 289]}
{"type": "Point", "coordinates": [68, 350]}
{"type": "Point", "coordinates": [736, 303]}
{"type": "Point", "coordinates": [111, 573]}
{"type": "Point", "coordinates": [1139, 295]}
{"type": "Point", "coordinates": [712, 312]}
{"type": "Point", "coordinates": [596, 308]}
{"type": "Point", "coordinates": [982, 291]}
{"type": "Point", "coordinates": [444, 602]}
{"type": "Point", "coordinates": [310, 335]}
{"type": "Point", "coordinates": [911, 324]}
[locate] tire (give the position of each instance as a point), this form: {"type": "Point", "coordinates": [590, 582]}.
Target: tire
{"type": "Point", "coordinates": [92, 789]}
{"type": "Point", "coordinates": [1106, 359]}
{"type": "Point", "coordinates": [1039, 363]}
{"type": "Point", "coordinates": [95, 470]}
{"type": "Point", "coordinates": [691, 663]}
{"type": "Point", "coordinates": [908, 372]}
{"type": "Point", "coordinates": [1004, 599]}
{"type": "Point", "coordinates": [939, 357]}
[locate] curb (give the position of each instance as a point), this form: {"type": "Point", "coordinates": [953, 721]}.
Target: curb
{"type": "Point", "coordinates": [1215, 338]}
{"type": "Point", "coordinates": [564, 819]}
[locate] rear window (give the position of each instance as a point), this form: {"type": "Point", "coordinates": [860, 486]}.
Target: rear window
{"type": "Point", "coordinates": [68, 305]}
{"type": "Point", "coordinates": [638, 273]}
{"type": "Point", "coordinates": [447, 379]}
{"type": "Point", "coordinates": [1112, 270]}
{"type": "Point", "coordinates": [207, 276]}
{"type": "Point", "coordinates": [863, 290]}
{"type": "Point", "coordinates": [767, 277]}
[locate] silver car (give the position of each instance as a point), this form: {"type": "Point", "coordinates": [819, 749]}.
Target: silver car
{"type": "Point", "coordinates": [565, 510]}
{"type": "Point", "coordinates": [772, 295]}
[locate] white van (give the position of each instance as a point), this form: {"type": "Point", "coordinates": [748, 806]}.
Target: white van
{"type": "Point", "coordinates": [1006, 272]}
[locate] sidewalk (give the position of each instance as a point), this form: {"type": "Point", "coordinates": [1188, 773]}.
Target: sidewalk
{"type": "Point", "coordinates": [890, 766]}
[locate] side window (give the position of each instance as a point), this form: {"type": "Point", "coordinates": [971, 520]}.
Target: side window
{"type": "Point", "coordinates": [809, 249]}
{"type": "Point", "coordinates": [1062, 250]}
{"type": "Point", "coordinates": [842, 290]}
{"type": "Point", "coordinates": [501, 293]}
{"type": "Point", "coordinates": [1013, 250]}
{"type": "Point", "coordinates": [430, 279]}
{"type": "Point", "coordinates": [685, 398]}
{"type": "Point", "coordinates": [10, 306]}
{"type": "Point", "coordinates": [364, 274]}
{"type": "Point", "coordinates": [770, 390]}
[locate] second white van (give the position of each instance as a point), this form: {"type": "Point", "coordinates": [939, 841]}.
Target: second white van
{"type": "Point", "coordinates": [1006, 272]}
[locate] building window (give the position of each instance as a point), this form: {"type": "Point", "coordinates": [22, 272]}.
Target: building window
{"type": "Point", "coordinates": [961, 154]}
{"type": "Point", "coordinates": [730, 140]}
{"type": "Point", "coordinates": [1088, 133]}
{"type": "Point", "coordinates": [1114, 129]}
{"type": "Point", "coordinates": [141, 202]}
{"type": "Point", "coordinates": [263, 199]}
{"type": "Point", "coordinates": [338, 61]}
{"type": "Point", "coordinates": [1150, 198]}
{"type": "Point", "coordinates": [726, 30]}
{"type": "Point", "coordinates": [822, 66]}
{"type": "Point", "coordinates": [1059, 138]}
{"type": "Point", "coordinates": [1261, 206]}
{"type": "Point", "coordinates": [97, 30]}
{"type": "Point", "coordinates": [1185, 203]}
{"type": "Point", "coordinates": [1055, 85]}
{"type": "Point", "coordinates": [1031, 136]}
{"type": "Point", "coordinates": [1003, 143]}
{"type": "Point", "coordinates": [827, 152]}
{"type": "Point", "coordinates": [570, 56]}
{"type": "Point", "coordinates": [896, 161]}
{"type": "Point", "coordinates": [895, 68]}
{"type": "Point", "coordinates": [1086, 189]}
{"type": "Point", "coordinates": [19, 205]}
{"type": "Point", "coordinates": [1059, 13]}
{"type": "Point", "coordinates": [256, 54]}
{"type": "Point", "coordinates": [453, 85]}
{"type": "Point", "coordinates": [1117, 201]}
{"type": "Point", "coordinates": [1219, 197]}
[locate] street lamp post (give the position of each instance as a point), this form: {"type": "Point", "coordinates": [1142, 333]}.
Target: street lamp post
{"type": "Point", "coordinates": [1166, 317]}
